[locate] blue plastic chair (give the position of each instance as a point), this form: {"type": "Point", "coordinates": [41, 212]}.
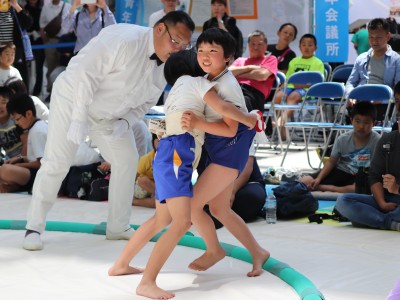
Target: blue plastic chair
{"type": "Point", "coordinates": [342, 74]}
{"type": "Point", "coordinates": [299, 78]}
{"type": "Point", "coordinates": [325, 93]}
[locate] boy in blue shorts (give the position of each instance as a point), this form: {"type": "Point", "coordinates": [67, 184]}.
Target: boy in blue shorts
{"type": "Point", "coordinates": [227, 157]}
{"type": "Point", "coordinates": [177, 154]}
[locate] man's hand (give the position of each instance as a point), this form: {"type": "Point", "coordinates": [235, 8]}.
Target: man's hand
{"type": "Point", "coordinates": [388, 206]}
{"type": "Point", "coordinates": [389, 183]}
{"type": "Point", "coordinates": [188, 121]}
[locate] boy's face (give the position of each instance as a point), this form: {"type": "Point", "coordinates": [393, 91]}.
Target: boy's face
{"type": "Point", "coordinates": [23, 121]}
{"type": "Point", "coordinates": [7, 57]}
{"type": "Point", "coordinates": [362, 125]}
{"type": "Point", "coordinates": [307, 47]}
{"type": "Point", "coordinates": [3, 107]}
{"type": "Point", "coordinates": [378, 39]}
{"type": "Point", "coordinates": [211, 58]}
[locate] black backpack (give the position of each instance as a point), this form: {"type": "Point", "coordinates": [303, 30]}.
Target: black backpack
{"type": "Point", "coordinates": [294, 200]}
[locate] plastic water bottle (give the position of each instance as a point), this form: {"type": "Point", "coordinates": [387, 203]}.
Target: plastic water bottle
{"type": "Point", "coordinates": [270, 205]}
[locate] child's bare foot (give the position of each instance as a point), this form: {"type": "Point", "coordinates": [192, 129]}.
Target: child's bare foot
{"type": "Point", "coordinates": [207, 260]}
{"type": "Point", "coordinates": [258, 263]}
{"type": "Point", "coordinates": [152, 291]}
{"type": "Point", "coordinates": [117, 271]}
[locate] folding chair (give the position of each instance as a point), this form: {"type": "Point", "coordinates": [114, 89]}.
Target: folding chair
{"type": "Point", "coordinates": [341, 73]}
{"type": "Point", "coordinates": [300, 78]}
{"type": "Point", "coordinates": [328, 70]}
{"type": "Point", "coordinates": [375, 93]}
{"type": "Point", "coordinates": [325, 93]}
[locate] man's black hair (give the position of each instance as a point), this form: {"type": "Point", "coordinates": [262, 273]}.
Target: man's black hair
{"type": "Point", "coordinates": [379, 23]}
{"type": "Point", "coordinates": [309, 36]}
{"type": "Point", "coordinates": [20, 104]}
{"type": "Point", "coordinates": [219, 37]}
{"type": "Point", "coordinates": [177, 16]}
{"type": "Point", "coordinates": [5, 92]}
{"type": "Point", "coordinates": [181, 63]}
{"type": "Point", "coordinates": [364, 108]}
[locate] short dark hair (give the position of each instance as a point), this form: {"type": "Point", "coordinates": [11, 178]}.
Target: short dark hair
{"type": "Point", "coordinates": [177, 16]}
{"type": "Point", "coordinates": [4, 46]}
{"type": "Point", "coordinates": [16, 85]}
{"type": "Point", "coordinates": [219, 37]}
{"type": "Point", "coordinates": [257, 33]}
{"type": "Point", "coordinates": [223, 2]}
{"type": "Point", "coordinates": [289, 24]}
{"type": "Point", "coordinates": [5, 92]}
{"type": "Point", "coordinates": [20, 104]}
{"type": "Point", "coordinates": [364, 108]}
{"type": "Point", "coordinates": [308, 36]}
{"type": "Point", "coordinates": [396, 89]}
{"type": "Point", "coordinates": [379, 23]}
{"type": "Point", "coordinates": [181, 63]}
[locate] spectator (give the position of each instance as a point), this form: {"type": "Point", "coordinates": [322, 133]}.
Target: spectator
{"type": "Point", "coordinates": [7, 56]}
{"type": "Point", "coordinates": [87, 22]}
{"type": "Point", "coordinates": [169, 5]}
{"type": "Point", "coordinates": [379, 65]}
{"type": "Point", "coordinates": [306, 62]}
{"type": "Point", "coordinates": [394, 41]}
{"type": "Point", "coordinates": [351, 151]}
{"type": "Point", "coordinates": [286, 34]}
{"type": "Point", "coordinates": [144, 185]}
{"type": "Point", "coordinates": [256, 74]}
{"type": "Point", "coordinates": [360, 40]}
{"type": "Point", "coordinates": [248, 195]}
{"type": "Point", "coordinates": [222, 21]}
{"type": "Point", "coordinates": [17, 86]}
{"type": "Point", "coordinates": [34, 8]}
{"type": "Point", "coordinates": [10, 32]}
{"type": "Point", "coordinates": [18, 173]}
{"type": "Point", "coordinates": [10, 133]}
{"type": "Point", "coordinates": [381, 209]}
{"type": "Point", "coordinates": [49, 12]}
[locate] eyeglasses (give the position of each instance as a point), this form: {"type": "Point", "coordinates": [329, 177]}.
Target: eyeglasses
{"type": "Point", "coordinates": [176, 44]}
{"type": "Point", "coordinates": [17, 119]}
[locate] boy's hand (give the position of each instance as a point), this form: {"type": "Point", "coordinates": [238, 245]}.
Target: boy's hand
{"type": "Point", "coordinates": [388, 206]}
{"type": "Point", "coordinates": [258, 122]}
{"type": "Point", "coordinates": [188, 121]}
{"type": "Point", "coordinates": [389, 183]}
{"type": "Point", "coordinates": [315, 184]}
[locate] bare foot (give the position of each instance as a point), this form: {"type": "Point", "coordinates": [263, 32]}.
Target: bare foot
{"type": "Point", "coordinates": [207, 260]}
{"type": "Point", "coordinates": [117, 271]}
{"type": "Point", "coordinates": [152, 291]}
{"type": "Point", "coordinates": [258, 263]}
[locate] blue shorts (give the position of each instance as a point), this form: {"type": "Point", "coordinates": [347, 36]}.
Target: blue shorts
{"type": "Point", "coordinates": [173, 167]}
{"type": "Point", "coordinates": [230, 152]}
{"type": "Point", "coordinates": [302, 92]}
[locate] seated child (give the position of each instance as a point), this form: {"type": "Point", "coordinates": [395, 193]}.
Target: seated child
{"type": "Point", "coordinates": [351, 151]}
{"type": "Point", "coordinates": [10, 140]}
{"type": "Point", "coordinates": [306, 62]}
{"type": "Point", "coordinates": [18, 173]}
{"type": "Point", "coordinates": [144, 185]}
{"type": "Point", "coordinates": [7, 57]}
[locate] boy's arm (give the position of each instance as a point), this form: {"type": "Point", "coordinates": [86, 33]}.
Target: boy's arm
{"type": "Point", "coordinates": [229, 110]}
{"type": "Point", "coordinates": [35, 164]}
{"type": "Point", "coordinates": [227, 127]}
{"type": "Point", "coordinates": [328, 167]}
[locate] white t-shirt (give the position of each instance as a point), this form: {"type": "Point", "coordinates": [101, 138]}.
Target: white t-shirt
{"type": "Point", "coordinates": [186, 94]}
{"type": "Point", "coordinates": [228, 89]}
{"type": "Point", "coordinates": [37, 138]}
{"type": "Point", "coordinates": [7, 74]}
{"type": "Point", "coordinates": [42, 111]}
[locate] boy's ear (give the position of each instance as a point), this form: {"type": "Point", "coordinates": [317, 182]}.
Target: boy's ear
{"type": "Point", "coordinates": [28, 114]}
{"type": "Point", "coordinates": [227, 59]}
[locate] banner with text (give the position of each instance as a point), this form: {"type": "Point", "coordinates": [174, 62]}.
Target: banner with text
{"type": "Point", "coordinates": [331, 29]}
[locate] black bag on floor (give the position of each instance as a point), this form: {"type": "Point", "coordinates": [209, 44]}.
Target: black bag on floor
{"type": "Point", "coordinates": [294, 200]}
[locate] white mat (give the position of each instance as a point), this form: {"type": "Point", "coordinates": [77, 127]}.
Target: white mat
{"type": "Point", "coordinates": [343, 262]}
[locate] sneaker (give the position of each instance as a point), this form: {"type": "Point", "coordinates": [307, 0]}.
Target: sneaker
{"type": "Point", "coordinates": [32, 242]}
{"type": "Point", "coordinates": [124, 235]}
